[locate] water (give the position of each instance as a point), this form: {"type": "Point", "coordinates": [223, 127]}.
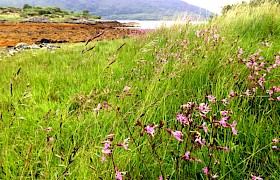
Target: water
{"type": "Point", "coordinates": [156, 24]}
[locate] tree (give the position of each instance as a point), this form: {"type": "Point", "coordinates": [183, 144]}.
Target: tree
{"type": "Point", "coordinates": [258, 2]}
{"type": "Point", "coordinates": [27, 6]}
{"type": "Point", "coordinates": [226, 8]}
{"type": "Point", "coordinates": [85, 13]}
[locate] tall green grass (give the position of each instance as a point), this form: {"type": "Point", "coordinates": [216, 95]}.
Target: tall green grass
{"type": "Point", "coordinates": [259, 23]}
{"type": "Point", "coordinates": [164, 69]}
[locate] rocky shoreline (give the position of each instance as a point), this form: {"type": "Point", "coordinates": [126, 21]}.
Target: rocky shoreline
{"type": "Point", "coordinates": [77, 30]}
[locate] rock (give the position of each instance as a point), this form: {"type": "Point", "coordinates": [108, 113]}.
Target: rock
{"type": "Point", "coordinates": [22, 46]}
{"type": "Point", "coordinates": [49, 46]}
{"type": "Point", "coordinates": [12, 52]}
{"type": "Point", "coordinates": [38, 20]}
{"type": "Point", "coordinates": [34, 46]}
{"type": "Point", "coordinates": [44, 40]}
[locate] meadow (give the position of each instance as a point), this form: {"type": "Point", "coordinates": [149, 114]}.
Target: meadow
{"type": "Point", "coordinates": [185, 102]}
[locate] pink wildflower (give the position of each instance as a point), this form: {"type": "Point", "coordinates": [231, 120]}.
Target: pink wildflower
{"type": "Point", "coordinates": [211, 98]}
{"type": "Point", "coordinates": [106, 147]}
{"type": "Point", "coordinates": [261, 58]}
{"type": "Point", "coordinates": [177, 135]}
{"type": "Point", "coordinates": [276, 148]}
{"type": "Point", "coordinates": [270, 99]}
{"type": "Point", "coordinates": [204, 108]}
{"type": "Point", "coordinates": [278, 98]}
{"type": "Point", "coordinates": [124, 144]}
{"type": "Point", "coordinates": [224, 113]}
{"type": "Point", "coordinates": [224, 101]}
{"type": "Point", "coordinates": [119, 174]}
{"type": "Point", "coordinates": [262, 80]}
{"type": "Point", "coordinates": [240, 51]}
{"type": "Point", "coordinates": [204, 127]}
{"type": "Point", "coordinates": [223, 148]}
{"type": "Point", "coordinates": [50, 139]}
{"type": "Point", "coordinates": [255, 89]}
{"type": "Point", "coordinates": [150, 130]}
{"type": "Point", "coordinates": [202, 142]}
{"type": "Point", "coordinates": [106, 105]}
{"type": "Point", "coordinates": [196, 160]}
{"type": "Point", "coordinates": [268, 69]}
{"type": "Point", "coordinates": [261, 83]}
{"type": "Point", "coordinates": [262, 64]}
{"type": "Point", "coordinates": [276, 89]}
{"type": "Point", "coordinates": [223, 122]}
{"type": "Point", "coordinates": [256, 177]}
{"type": "Point", "coordinates": [106, 151]}
{"type": "Point", "coordinates": [198, 140]}
{"type": "Point", "coordinates": [249, 64]}
{"type": "Point", "coordinates": [270, 92]}
{"type": "Point", "coordinates": [275, 141]}
{"type": "Point", "coordinates": [187, 155]}
{"type": "Point", "coordinates": [160, 178]}
{"type": "Point", "coordinates": [265, 44]}
{"type": "Point", "coordinates": [231, 94]}
{"type": "Point", "coordinates": [103, 159]}
{"type": "Point", "coordinates": [126, 88]}
{"type": "Point", "coordinates": [182, 119]}
{"type": "Point", "coordinates": [98, 107]}
{"type": "Point", "coordinates": [205, 170]}
{"type": "Point", "coordinates": [247, 92]}
{"type": "Point", "coordinates": [234, 131]}
{"type": "Point", "coordinates": [226, 149]}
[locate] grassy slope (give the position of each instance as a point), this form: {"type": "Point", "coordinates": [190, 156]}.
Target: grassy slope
{"type": "Point", "coordinates": [163, 72]}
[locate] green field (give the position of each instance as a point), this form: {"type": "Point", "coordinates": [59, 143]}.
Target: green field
{"type": "Point", "coordinates": [53, 126]}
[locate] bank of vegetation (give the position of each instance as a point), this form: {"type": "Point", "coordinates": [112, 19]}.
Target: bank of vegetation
{"type": "Point", "coordinates": [53, 14]}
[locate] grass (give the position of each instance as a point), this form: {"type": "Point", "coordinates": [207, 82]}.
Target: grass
{"type": "Point", "coordinates": [164, 70]}
{"type": "Point", "coordinates": [13, 17]}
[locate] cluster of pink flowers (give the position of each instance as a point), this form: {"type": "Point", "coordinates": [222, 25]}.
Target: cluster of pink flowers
{"type": "Point", "coordinates": [186, 118]}
{"type": "Point", "coordinates": [99, 106]}
{"type": "Point", "coordinates": [208, 35]}
{"type": "Point", "coordinates": [183, 119]}
{"type": "Point", "coordinates": [223, 122]}
{"type": "Point", "coordinates": [272, 91]}
{"type": "Point", "coordinates": [258, 73]}
{"type": "Point", "coordinates": [107, 149]}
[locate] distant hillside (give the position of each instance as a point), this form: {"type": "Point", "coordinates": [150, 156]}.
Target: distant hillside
{"type": "Point", "coordinates": [121, 9]}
